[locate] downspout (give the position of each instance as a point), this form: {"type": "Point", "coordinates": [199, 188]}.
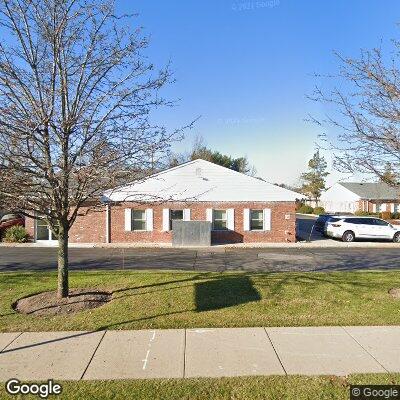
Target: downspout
{"type": "Point", "coordinates": [108, 235]}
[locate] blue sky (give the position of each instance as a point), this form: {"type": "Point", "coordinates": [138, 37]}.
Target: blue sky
{"type": "Point", "coordinates": [245, 67]}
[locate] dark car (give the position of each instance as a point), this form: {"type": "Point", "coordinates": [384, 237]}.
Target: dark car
{"type": "Point", "coordinates": [320, 222]}
{"type": "Point", "coordinates": [9, 220]}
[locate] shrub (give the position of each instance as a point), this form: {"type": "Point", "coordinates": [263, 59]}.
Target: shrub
{"type": "Point", "coordinates": [319, 210]}
{"type": "Point", "coordinates": [16, 234]}
{"type": "Point", "coordinates": [362, 213]}
{"type": "Point", "coordinates": [305, 209]}
{"type": "Point", "coordinates": [395, 215]}
{"type": "Point", "coordinates": [385, 214]}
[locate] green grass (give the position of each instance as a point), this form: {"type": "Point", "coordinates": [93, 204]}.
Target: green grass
{"type": "Point", "coordinates": [243, 388]}
{"type": "Point", "coordinates": [184, 300]}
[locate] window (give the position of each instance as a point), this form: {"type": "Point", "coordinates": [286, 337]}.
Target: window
{"type": "Point", "coordinates": [380, 222]}
{"type": "Point", "coordinates": [359, 221]}
{"type": "Point", "coordinates": [138, 220]}
{"type": "Point", "coordinates": [395, 208]}
{"type": "Point", "coordinates": [256, 220]}
{"type": "Point", "coordinates": [378, 207]}
{"type": "Point", "coordinates": [219, 220]}
{"type": "Point", "coordinates": [175, 215]}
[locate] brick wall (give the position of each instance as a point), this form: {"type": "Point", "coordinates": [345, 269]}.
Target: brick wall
{"type": "Point", "coordinates": [88, 228]}
{"type": "Point", "coordinates": [282, 230]}
{"type": "Point", "coordinates": [367, 205]}
{"type": "Point", "coordinates": [91, 227]}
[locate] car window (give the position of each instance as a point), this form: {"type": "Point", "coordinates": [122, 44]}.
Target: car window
{"type": "Point", "coordinates": [369, 221]}
{"type": "Point", "coordinates": [333, 219]}
{"type": "Point", "coordinates": [353, 220]}
{"type": "Point", "coordinates": [380, 222]}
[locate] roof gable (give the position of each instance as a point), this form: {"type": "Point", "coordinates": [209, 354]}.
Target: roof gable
{"type": "Point", "coordinates": [200, 180]}
{"type": "Point", "coordinates": [372, 190]}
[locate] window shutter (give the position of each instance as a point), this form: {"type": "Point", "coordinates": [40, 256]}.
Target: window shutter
{"type": "Point", "coordinates": [149, 219]}
{"type": "Point", "coordinates": [267, 219]}
{"type": "Point", "coordinates": [186, 214]}
{"type": "Point", "coordinates": [209, 215]}
{"type": "Point", "coordinates": [165, 220]}
{"type": "Point", "coordinates": [246, 219]}
{"type": "Point", "coordinates": [128, 219]}
{"type": "Point", "coordinates": [230, 216]}
{"type": "Point", "coordinates": [392, 207]}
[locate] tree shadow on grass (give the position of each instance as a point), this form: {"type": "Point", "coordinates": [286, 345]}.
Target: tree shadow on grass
{"type": "Point", "coordinates": [224, 292]}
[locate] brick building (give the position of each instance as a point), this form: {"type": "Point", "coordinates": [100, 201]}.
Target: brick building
{"type": "Point", "coordinates": [240, 208]}
{"type": "Point", "coordinates": [372, 197]}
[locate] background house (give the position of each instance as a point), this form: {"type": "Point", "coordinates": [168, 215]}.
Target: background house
{"type": "Point", "coordinates": [356, 196]}
{"type": "Point", "coordinates": [239, 207]}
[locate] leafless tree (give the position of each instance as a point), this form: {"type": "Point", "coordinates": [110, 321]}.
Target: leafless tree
{"type": "Point", "coordinates": [363, 122]}
{"type": "Point", "coordinates": [76, 92]}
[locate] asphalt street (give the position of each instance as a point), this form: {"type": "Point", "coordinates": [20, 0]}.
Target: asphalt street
{"type": "Point", "coordinates": [269, 259]}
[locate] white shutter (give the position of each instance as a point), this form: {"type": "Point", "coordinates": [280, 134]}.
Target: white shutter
{"type": "Point", "coordinates": [149, 219]}
{"type": "Point", "coordinates": [165, 220]}
{"type": "Point", "coordinates": [186, 214]}
{"type": "Point", "coordinates": [392, 207]}
{"type": "Point", "coordinates": [230, 216]}
{"type": "Point", "coordinates": [374, 208]}
{"type": "Point", "coordinates": [267, 219]}
{"type": "Point", "coordinates": [246, 219]}
{"type": "Point", "coordinates": [209, 215]}
{"type": "Point", "coordinates": [128, 219]}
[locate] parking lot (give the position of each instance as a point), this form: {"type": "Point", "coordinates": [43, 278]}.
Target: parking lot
{"type": "Point", "coordinates": [257, 260]}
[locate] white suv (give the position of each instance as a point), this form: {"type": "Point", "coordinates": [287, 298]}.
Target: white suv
{"type": "Point", "coordinates": [350, 228]}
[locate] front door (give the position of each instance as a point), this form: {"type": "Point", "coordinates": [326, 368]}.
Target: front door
{"type": "Point", "coordinates": [44, 233]}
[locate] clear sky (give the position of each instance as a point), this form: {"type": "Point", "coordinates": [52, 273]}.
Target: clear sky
{"type": "Point", "coordinates": [246, 67]}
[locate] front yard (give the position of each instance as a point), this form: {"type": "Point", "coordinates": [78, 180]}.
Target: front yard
{"type": "Point", "coordinates": [143, 300]}
{"type": "Point", "coordinates": [243, 388]}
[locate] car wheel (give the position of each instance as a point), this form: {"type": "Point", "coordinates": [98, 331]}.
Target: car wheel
{"type": "Point", "coordinates": [348, 236]}
{"type": "Point", "coordinates": [396, 237]}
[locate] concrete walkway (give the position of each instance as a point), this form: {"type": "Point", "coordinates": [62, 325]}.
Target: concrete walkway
{"type": "Point", "coordinates": [180, 353]}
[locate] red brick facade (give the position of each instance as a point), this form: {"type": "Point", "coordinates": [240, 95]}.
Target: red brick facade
{"type": "Point", "coordinates": [371, 205]}
{"type": "Point", "coordinates": [91, 228]}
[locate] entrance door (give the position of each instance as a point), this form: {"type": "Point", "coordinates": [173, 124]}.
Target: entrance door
{"type": "Point", "coordinates": [44, 233]}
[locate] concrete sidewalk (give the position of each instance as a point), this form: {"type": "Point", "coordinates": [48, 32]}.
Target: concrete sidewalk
{"type": "Point", "coordinates": [180, 353]}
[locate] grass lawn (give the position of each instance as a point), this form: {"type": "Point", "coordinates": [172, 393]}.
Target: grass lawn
{"type": "Point", "coordinates": [183, 299]}
{"type": "Point", "coordinates": [246, 388]}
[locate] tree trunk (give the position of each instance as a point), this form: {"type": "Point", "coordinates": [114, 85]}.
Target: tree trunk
{"type": "Point", "coordinates": [63, 289]}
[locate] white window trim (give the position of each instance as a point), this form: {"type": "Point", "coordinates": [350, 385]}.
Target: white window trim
{"type": "Point", "coordinates": [149, 219]}
{"type": "Point", "coordinates": [230, 219]}
{"type": "Point", "coordinates": [128, 219]}
{"type": "Point", "coordinates": [263, 220]}
{"type": "Point", "coordinates": [145, 220]}
{"type": "Point", "coordinates": [246, 219]}
{"type": "Point", "coordinates": [267, 219]}
{"type": "Point", "coordinates": [165, 222]}
{"type": "Point", "coordinates": [170, 218]}
{"type": "Point", "coordinates": [186, 214]}
{"type": "Point", "coordinates": [226, 220]}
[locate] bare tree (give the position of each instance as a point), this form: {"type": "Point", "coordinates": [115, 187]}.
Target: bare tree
{"type": "Point", "coordinates": [364, 114]}
{"type": "Point", "coordinates": [76, 92]}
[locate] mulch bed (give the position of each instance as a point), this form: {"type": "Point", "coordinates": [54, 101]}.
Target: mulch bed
{"type": "Point", "coordinates": [47, 303]}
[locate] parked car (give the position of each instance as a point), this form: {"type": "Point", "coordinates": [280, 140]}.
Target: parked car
{"type": "Point", "coordinates": [320, 222]}
{"type": "Point", "coordinates": [350, 228]}
{"type": "Point", "coordinates": [322, 219]}
{"type": "Point", "coordinates": [9, 220]}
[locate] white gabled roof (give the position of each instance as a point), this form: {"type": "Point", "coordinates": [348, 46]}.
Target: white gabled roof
{"type": "Point", "coordinates": [200, 180]}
